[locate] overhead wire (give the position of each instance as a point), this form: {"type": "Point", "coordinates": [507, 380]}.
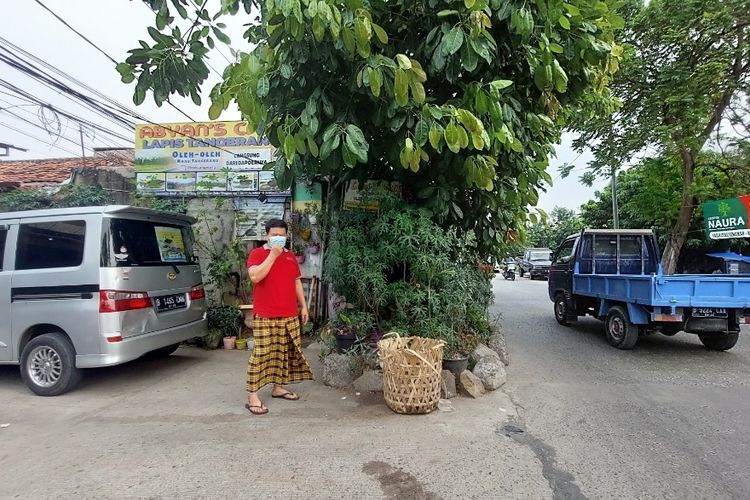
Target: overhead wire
{"type": "Point", "coordinates": [59, 134]}
{"type": "Point", "coordinates": [43, 141]}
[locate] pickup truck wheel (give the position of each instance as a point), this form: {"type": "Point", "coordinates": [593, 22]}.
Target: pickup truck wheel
{"type": "Point", "coordinates": [621, 332]}
{"type": "Point", "coordinates": [48, 365]}
{"type": "Point", "coordinates": [561, 309]}
{"type": "Point", "coordinates": [719, 341]}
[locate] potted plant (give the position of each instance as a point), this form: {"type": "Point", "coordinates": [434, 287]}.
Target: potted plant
{"type": "Point", "coordinates": [458, 346]}
{"type": "Point", "coordinates": [352, 330]}
{"type": "Point", "coordinates": [299, 252]}
{"type": "Point", "coordinates": [227, 320]}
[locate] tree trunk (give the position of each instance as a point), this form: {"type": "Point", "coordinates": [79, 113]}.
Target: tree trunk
{"type": "Point", "coordinates": [679, 232]}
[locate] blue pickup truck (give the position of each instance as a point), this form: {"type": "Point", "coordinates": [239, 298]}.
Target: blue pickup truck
{"type": "Point", "coordinates": [615, 276]}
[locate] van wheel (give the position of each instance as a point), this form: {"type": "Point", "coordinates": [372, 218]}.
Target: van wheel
{"type": "Point", "coordinates": [163, 352]}
{"type": "Point", "coordinates": [48, 365]}
{"type": "Point", "coordinates": [621, 332]}
{"type": "Point", "coordinates": [719, 341]}
{"type": "Point", "coordinates": [561, 309]}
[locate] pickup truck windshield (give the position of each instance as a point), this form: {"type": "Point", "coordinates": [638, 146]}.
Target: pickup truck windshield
{"type": "Point", "coordinates": [129, 242]}
{"type": "Point", "coordinates": [539, 256]}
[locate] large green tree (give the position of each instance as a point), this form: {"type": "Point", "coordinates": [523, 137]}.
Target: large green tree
{"type": "Point", "coordinates": [550, 233]}
{"type": "Point", "coordinates": [650, 195]}
{"type": "Point", "coordinates": [683, 87]}
{"type": "Point", "coordinates": [460, 101]}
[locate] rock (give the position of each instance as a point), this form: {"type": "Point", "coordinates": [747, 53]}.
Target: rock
{"type": "Point", "coordinates": [337, 371]}
{"type": "Point", "coordinates": [497, 344]}
{"type": "Point", "coordinates": [448, 385]}
{"type": "Point", "coordinates": [370, 381]}
{"type": "Point", "coordinates": [471, 385]}
{"type": "Point", "coordinates": [482, 351]}
{"type": "Point", "coordinates": [491, 371]}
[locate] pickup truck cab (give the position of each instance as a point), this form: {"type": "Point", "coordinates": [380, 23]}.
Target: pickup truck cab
{"type": "Point", "coordinates": [615, 276]}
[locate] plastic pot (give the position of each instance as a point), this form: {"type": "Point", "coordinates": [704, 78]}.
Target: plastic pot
{"type": "Point", "coordinates": [345, 342]}
{"type": "Point", "coordinates": [229, 342]}
{"type": "Point", "coordinates": [241, 344]}
{"type": "Point", "coordinates": [456, 366]}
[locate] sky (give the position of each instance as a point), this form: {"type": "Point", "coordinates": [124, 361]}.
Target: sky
{"type": "Point", "coordinates": [115, 26]}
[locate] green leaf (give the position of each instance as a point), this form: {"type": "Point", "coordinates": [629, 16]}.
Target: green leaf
{"type": "Point", "coordinates": [221, 36]}
{"type": "Point", "coordinates": [403, 61]}
{"type": "Point", "coordinates": [417, 91]}
{"type": "Point", "coordinates": [421, 133]}
{"type": "Point", "coordinates": [349, 42]}
{"type": "Point", "coordinates": [463, 137]}
{"type": "Point", "coordinates": [195, 97]}
{"type": "Point", "coordinates": [350, 158]}
{"type": "Point", "coordinates": [355, 141]}
{"type": "Point", "coordinates": [453, 40]}
{"type": "Point", "coordinates": [312, 146]}
{"type": "Point", "coordinates": [477, 141]}
{"type": "Point", "coordinates": [263, 86]}
{"type": "Point", "coordinates": [290, 147]}
{"type": "Point", "coordinates": [564, 22]}
{"type": "Point", "coordinates": [436, 134]}
{"type": "Point", "coordinates": [446, 13]}
{"type": "Point", "coordinates": [286, 71]}
{"type": "Point", "coordinates": [375, 81]}
{"type": "Point", "coordinates": [140, 95]}
{"type": "Point", "coordinates": [555, 48]}
{"type": "Point", "coordinates": [329, 146]}
{"type": "Point", "coordinates": [469, 3]}
{"type": "Point", "coordinates": [469, 58]}
{"type": "Point", "coordinates": [380, 33]}
{"type": "Point", "coordinates": [617, 22]}
{"type": "Point", "coordinates": [401, 87]}
{"type": "Point", "coordinates": [214, 111]}
{"type": "Point", "coordinates": [500, 84]}
{"type": "Point", "coordinates": [452, 138]}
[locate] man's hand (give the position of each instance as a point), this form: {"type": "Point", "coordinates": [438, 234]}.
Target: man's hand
{"type": "Point", "coordinates": [277, 250]}
{"type": "Point", "coordinates": [305, 315]}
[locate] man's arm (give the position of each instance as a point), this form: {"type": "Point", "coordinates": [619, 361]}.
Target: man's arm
{"type": "Point", "coordinates": [301, 301]}
{"type": "Point", "coordinates": [259, 272]}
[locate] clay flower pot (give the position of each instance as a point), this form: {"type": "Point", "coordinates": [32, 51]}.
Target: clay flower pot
{"type": "Point", "coordinates": [229, 342]}
{"type": "Point", "coordinates": [300, 258]}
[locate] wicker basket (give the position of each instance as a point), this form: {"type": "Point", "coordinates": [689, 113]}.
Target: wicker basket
{"type": "Point", "coordinates": [411, 373]}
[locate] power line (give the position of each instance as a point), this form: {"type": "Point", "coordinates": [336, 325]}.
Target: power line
{"type": "Point", "coordinates": [25, 94]}
{"type": "Point", "coordinates": [51, 144]}
{"type": "Point", "coordinates": [59, 134]}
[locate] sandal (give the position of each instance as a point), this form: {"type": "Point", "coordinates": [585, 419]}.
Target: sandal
{"type": "Point", "coordinates": [288, 395]}
{"type": "Point", "coordinates": [250, 407]}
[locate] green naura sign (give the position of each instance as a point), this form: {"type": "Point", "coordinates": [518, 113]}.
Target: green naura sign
{"type": "Point", "coordinates": [727, 218]}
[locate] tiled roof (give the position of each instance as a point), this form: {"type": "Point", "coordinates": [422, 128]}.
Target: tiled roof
{"type": "Point", "coordinates": [56, 170]}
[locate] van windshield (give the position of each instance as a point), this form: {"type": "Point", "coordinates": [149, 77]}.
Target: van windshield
{"type": "Point", "coordinates": [130, 242]}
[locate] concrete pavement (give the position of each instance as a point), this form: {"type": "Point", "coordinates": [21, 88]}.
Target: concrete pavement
{"type": "Point", "coordinates": [176, 428]}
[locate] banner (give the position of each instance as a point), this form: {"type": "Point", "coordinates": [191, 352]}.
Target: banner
{"type": "Point", "coordinates": [727, 219]}
{"type": "Point", "coordinates": [217, 158]}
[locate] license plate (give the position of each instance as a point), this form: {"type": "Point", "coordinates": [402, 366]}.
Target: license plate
{"type": "Point", "coordinates": [170, 302]}
{"type": "Point", "coordinates": [709, 312]}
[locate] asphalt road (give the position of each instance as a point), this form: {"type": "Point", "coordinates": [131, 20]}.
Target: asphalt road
{"type": "Point", "coordinates": [668, 419]}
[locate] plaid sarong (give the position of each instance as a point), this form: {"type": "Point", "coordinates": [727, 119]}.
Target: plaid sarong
{"type": "Point", "coordinates": [277, 356]}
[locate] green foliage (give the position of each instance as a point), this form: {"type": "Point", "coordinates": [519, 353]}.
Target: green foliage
{"type": "Point", "coordinates": [226, 319]}
{"type": "Point", "coordinates": [459, 101]}
{"type": "Point", "coordinates": [414, 279]}
{"type": "Point", "coordinates": [145, 200]}
{"type": "Point", "coordinates": [649, 195]}
{"type": "Point", "coordinates": [549, 234]}
{"type": "Point", "coordinates": [76, 195]}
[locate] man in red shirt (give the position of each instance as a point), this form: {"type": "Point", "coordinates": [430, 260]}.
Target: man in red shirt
{"type": "Point", "coordinates": [277, 356]}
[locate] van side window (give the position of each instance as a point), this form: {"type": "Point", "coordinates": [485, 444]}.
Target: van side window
{"type": "Point", "coordinates": [47, 245]}
{"type": "Point", "coordinates": [3, 235]}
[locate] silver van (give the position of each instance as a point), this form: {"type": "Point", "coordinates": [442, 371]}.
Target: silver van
{"type": "Point", "coordinates": [94, 286]}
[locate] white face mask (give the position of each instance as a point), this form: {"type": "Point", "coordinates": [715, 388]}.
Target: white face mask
{"type": "Point", "coordinates": [277, 241]}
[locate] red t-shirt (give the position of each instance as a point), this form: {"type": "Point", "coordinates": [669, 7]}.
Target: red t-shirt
{"type": "Point", "coordinates": [275, 296]}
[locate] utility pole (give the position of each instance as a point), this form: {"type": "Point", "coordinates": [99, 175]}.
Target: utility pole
{"type": "Point", "coordinates": [83, 151]}
{"type": "Point", "coordinates": [615, 209]}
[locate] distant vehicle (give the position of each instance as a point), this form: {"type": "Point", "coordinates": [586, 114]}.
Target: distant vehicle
{"type": "Point", "coordinates": [536, 263]}
{"type": "Point", "coordinates": [615, 276]}
{"type": "Point", "coordinates": [94, 286]}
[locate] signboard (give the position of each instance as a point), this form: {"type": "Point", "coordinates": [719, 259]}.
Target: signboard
{"type": "Point", "coordinates": [171, 246]}
{"type": "Point", "coordinates": [727, 219]}
{"type": "Point", "coordinates": [307, 196]}
{"type": "Point", "coordinates": [252, 216]}
{"type": "Point", "coordinates": [217, 158]}
{"type": "Point", "coordinates": [353, 199]}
